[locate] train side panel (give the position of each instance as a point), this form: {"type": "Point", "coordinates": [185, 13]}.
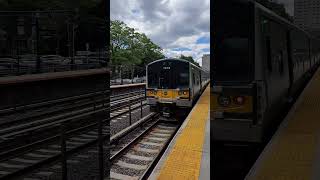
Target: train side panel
{"type": "Point", "coordinates": [283, 58]}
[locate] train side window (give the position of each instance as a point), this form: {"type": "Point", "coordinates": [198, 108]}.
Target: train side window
{"type": "Point", "coordinates": [193, 78]}
{"type": "Point", "coordinates": [281, 66]}
{"type": "Point", "coordinates": [265, 25]}
{"type": "Point", "coordinates": [198, 80]}
{"type": "Point", "coordinates": [268, 48]}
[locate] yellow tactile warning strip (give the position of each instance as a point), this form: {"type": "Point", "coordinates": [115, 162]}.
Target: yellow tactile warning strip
{"type": "Point", "coordinates": [184, 160]}
{"type": "Point", "coordinates": [293, 151]}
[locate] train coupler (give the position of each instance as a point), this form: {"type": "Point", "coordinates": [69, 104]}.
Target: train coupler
{"type": "Point", "coordinates": [166, 112]}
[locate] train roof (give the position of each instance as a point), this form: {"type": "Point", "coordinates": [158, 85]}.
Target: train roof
{"type": "Point", "coordinates": [276, 16]}
{"type": "Point", "coordinates": [176, 59]}
{"type": "Point", "coordinates": [280, 18]}
{"type": "Point", "coordinates": [165, 59]}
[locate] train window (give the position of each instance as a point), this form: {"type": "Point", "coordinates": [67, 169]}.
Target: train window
{"type": "Point", "coordinates": [233, 60]}
{"type": "Point", "coordinates": [193, 79]}
{"type": "Point", "coordinates": [170, 74]}
{"type": "Point", "coordinates": [165, 79]}
{"type": "Point", "coordinates": [300, 46]}
{"type": "Point", "coordinates": [183, 80]}
{"type": "Point", "coordinates": [268, 51]}
{"type": "Point", "coordinates": [265, 25]}
{"type": "Point", "coordinates": [153, 76]}
{"type": "Point", "coordinates": [236, 59]}
{"type": "Point", "coordinates": [181, 75]}
{"type": "Point", "coordinates": [275, 46]}
{"type": "Point", "coordinates": [281, 66]}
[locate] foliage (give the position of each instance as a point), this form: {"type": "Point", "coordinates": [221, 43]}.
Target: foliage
{"type": "Point", "coordinates": [190, 59]}
{"type": "Point", "coordinates": [130, 47]}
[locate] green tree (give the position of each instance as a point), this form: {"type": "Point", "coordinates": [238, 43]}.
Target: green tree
{"type": "Point", "coordinates": [129, 47]}
{"type": "Point", "coordinates": [190, 59]}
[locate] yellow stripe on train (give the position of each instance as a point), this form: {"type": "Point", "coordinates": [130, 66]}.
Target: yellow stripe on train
{"type": "Point", "coordinates": [168, 93]}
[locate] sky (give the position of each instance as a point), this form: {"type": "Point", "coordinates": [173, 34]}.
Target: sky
{"type": "Point", "coordinates": [177, 26]}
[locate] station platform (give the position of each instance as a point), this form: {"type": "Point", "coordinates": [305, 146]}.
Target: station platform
{"type": "Point", "coordinates": [294, 150]}
{"type": "Point", "coordinates": [188, 154]}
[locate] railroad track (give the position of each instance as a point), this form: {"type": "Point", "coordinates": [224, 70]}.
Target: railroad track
{"type": "Point", "coordinates": [135, 159]}
{"type": "Point", "coordinates": [22, 126]}
{"type": "Point", "coordinates": [17, 136]}
{"type": "Point", "coordinates": [28, 157]}
{"type": "Point", "coordinates": [50, 151]}
{"type": "Point", "coordinates": [29, 113]}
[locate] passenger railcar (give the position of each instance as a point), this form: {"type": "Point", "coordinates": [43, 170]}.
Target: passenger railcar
{"type": "Point", "coordinates": [173, 85]}
{"type": "Point", "coordinates": [260, 62]}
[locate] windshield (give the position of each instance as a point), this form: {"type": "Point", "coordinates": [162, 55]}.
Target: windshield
{"type": "Point", "coordinates": [168, 74]}
{"type": "Point", "coordinates": [233, 54]}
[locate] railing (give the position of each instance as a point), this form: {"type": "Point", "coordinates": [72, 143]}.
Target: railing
{"type": "Point", "coordinates": [66, 126]}
{"type": "Point", "coordinates": [127, 74]}
{"type": "Point", "coordinates": [20, 70]}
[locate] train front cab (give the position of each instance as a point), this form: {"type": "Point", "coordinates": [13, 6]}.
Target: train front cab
{"type": "Point", "coordinates": [234, 89]}
{"type": "Point", "coordinates": [168, 89]}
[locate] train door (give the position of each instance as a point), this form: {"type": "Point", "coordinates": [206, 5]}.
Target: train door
{"type": "Point", "coordinates": [201, 83]}
{"type": "Point", "coordinates": [165, 81]}
{"type": "Point", "coordinates": [198, 82]}
{"type": "Point", "coordinates": [276, 57]}
{"type": "Point", "coordinates": [193, 83]}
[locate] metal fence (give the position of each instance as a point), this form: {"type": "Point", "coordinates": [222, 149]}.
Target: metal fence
{"type": "Point", "coordinates": [16, 66]}
{"type": "Point", "coordinates": [127, 74]}
{"type": "Point", "coordinates": [47, 41]}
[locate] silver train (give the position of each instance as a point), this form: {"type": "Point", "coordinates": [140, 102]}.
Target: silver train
{"type": "Point", "coordinates": [260, 63]}
{"type": "Point", "coordinates": [174, 85]}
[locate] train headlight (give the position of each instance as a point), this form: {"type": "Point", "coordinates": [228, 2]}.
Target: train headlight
{"type": "Point", "coordinates": [239, 100]}
{"type": "Point", "coordinates": [180, 93]}
{"type": "Point", "coordinates": [184, 92]}
{"type": "Point", "coordinates": [151, 92]}
{"type": "Point", "coordinates": [155, 92]}
{"type": "Point", "coordinates": [224, 100]}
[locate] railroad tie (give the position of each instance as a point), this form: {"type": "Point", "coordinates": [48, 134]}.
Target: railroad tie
{"type": "Point", "coordinates": [80, 139]}
{"type": "Point", "coordinates": [28, 161]}
{"type": "Point", "coordinates": [151, 143]}
{"type": "Point", "coordinates": [15, 166]}
{"type": "Point", "coordinates": [88, 136]}
{"type": "Point", "coordinates": [37, 155]}
{"type": "Point", "coordinates": [137, 157]}
{"type": "Point", "coordinates": [131, 166]}
{"type": "Point", "coordinates": [163, 131]}
{"type": "Point", "coordinates": [49, 151]}
{"type": "Point", "coordinates": [156, 138]}
{"type": "Point", "coordinates": [114, 175]}
{"type": "Point", "coordinates": [147, 150]}
{"type": "Point", "coordinates": [160, 134]}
